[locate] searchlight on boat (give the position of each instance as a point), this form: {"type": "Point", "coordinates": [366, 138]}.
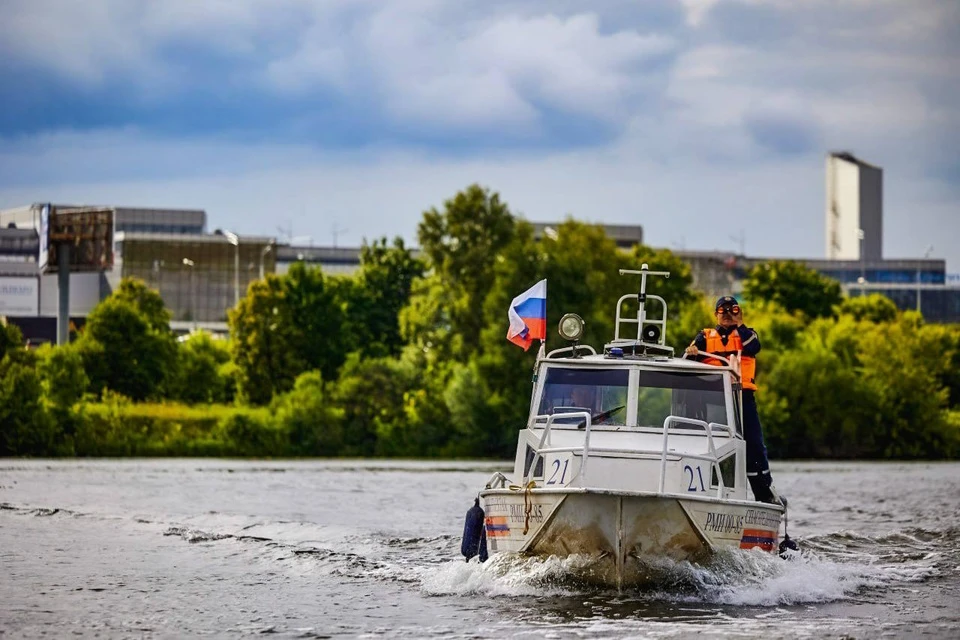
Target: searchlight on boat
{"type": "Point", "coordinates": [571, 327]}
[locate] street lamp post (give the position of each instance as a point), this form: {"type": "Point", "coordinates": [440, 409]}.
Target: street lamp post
{"type": "Point", "coordinates": [263, 254]}
{"type": "Point", "coordinates": [187, 262]}
{"type": "Point", "coordinates": [234, 239]}
{"type": "Point", "coordinates": [863, 268]}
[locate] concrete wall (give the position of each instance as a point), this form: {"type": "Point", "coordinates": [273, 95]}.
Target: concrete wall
{"type": "Point", "coordinates": [843, 209]}
{"type": "Point", "coordinates": [19, 296]}
{"type": "Point", "coordinates": [871, 211]}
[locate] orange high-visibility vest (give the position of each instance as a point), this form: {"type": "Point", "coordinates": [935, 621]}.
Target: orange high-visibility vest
{"type": "Point", "coordinates": [748, 364]}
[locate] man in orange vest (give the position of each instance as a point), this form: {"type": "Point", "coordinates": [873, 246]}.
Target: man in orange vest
{"type": "Point", "coordinates": [732, 338]}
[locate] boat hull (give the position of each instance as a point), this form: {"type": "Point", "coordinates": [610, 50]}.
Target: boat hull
{"type": "Point", "coordinates": [626, 533]}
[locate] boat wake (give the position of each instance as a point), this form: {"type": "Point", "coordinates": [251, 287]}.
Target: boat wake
{"type": "Point", "coordinates": [833, 567]}
{"type": "Point", "coordinates": [838, 566]}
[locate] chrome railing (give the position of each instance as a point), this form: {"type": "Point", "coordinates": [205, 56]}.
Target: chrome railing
{"type": "Point", "coordinates": [585, 450]}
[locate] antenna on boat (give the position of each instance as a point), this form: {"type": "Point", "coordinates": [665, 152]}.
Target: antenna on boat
{"type": "Point", "coordinates": [651, 332]}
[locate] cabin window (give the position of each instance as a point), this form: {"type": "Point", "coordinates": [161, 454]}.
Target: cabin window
{"type": "Point", "coordinates": [601, 392]}
{"type": "Point", "coordinates": [728, 468]}
{"type": "Point", "coordinates": [538, 470]}
{"type": "Point", "coordinates": [698, 396]}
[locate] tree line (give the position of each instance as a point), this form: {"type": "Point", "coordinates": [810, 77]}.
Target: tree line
{"type": "Point", "coordinates": [408, 356]}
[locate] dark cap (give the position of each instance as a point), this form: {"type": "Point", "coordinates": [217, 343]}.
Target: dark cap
{"type": "Point", "coordinates": [725, 300]}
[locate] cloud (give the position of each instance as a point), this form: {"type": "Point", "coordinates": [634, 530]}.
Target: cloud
{"type": "Point", "coordinates": [368, 194]}
{"type": "Point", "coordinates": [613, 110]}
{"type": "Point", "coordinates": [784, 125]}
{"type": "Point", "coordinates": [412, 65]}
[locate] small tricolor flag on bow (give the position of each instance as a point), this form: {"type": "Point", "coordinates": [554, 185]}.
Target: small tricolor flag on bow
{"type": "Point", "coordinates": [528, 316]}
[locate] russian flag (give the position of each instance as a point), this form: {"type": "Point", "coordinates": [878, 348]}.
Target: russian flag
{"type": "Point", "coordinates": [528, 316]}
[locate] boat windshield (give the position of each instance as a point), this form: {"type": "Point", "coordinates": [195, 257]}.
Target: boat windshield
{"type": "Point", "coordinates": [601, 392]}
{"type": "Point", "coordinates": [689, 395]}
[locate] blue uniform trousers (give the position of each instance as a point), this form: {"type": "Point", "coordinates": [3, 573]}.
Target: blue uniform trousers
{"type": "Point", "coordinates": [758, 469]}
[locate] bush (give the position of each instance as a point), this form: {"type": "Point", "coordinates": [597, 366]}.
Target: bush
{"type": "Point", "coordinates": [312, 426]}
{"type": "Point", "coordinates": [118, 427]}
{"type": "Point", "coordinates": [874, 308]}
{"type": "Point", "coordinates": [249, 433]}
{"type": "Point", "coordinates": [26, 428]}
{"type": "Point", "coordinates": [373, 396]}
{"type": "Point", "coordinates": [62, 373]}
{"type": "Point", "coordinates": [200, 373]}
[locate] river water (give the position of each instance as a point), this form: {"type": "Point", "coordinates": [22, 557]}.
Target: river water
{"type": "Point", "coordinates": [304, 549]}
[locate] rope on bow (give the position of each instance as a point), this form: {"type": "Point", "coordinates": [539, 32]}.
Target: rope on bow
{"type": "Point", "coordinates": [527, 502]}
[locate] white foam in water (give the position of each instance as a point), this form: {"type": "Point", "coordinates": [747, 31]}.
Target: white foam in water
{"type": "Point", "coordinates": [742, 578]}
{"type": "Point", "coordinates": [504, 574]}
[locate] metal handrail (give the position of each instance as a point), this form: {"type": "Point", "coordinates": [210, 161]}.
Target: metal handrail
{"type": "Point", "coordinates": [662, 322]}
{"type": "Point", "coordinates": [495, 479]}
{"type": "Point", "coordinates": [573, 349]}
{"type": "Point", "coordinates": [695, 456]}
{"type": "Point", "coordinates": [538, 452]}
{"type": "Point", "coordinates": [710, 456]}
{"type": "Point", "coordinates": [711, 449]}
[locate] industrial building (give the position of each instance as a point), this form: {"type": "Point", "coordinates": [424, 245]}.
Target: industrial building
{"type": "Point", "coordinates": [202, 275]}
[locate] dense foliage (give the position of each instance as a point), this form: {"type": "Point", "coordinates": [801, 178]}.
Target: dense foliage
{"type": "Point", "coordinates": [408, 356]}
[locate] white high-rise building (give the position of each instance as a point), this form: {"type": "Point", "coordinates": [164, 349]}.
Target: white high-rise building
{"type": "Point", "coordinates": [854, 215]}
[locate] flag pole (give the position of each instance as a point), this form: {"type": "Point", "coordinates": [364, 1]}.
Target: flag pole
{"type": "Point", "coordinates": [536, 366]}
{"type": "Point", "coordinates": [540, 356]}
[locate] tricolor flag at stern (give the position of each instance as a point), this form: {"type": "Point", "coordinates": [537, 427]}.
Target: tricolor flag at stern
{"type": "Point", "coordinates": [528, 316]}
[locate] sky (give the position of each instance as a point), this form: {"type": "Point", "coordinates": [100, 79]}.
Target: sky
{"type": "Point", "coordinates": [335, 121]}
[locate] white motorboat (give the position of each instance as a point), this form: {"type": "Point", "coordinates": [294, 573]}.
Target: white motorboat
{"type": "Point", "coordinates": [629, 456]}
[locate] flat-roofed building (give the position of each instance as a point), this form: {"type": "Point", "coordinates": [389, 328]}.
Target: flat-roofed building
{"type": "Point", "coordinates": [199, 277]}
{"type": "Point", "coordinates": [331, 260]}
{"type": "Point", "coordinates": [128, 219]}
{"type": "Point", "coordinates": [854, 208]}
{"type": "Point", "coordinates": [624, 235]}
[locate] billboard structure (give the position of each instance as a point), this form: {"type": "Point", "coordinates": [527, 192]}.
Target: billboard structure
{"type": "Point", "coordinates": [87, 231]}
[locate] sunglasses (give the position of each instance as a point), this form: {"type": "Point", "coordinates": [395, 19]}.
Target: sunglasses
{"type": "Point", "coordinates": [734, 309]}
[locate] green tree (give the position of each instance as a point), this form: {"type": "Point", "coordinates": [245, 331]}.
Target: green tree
{"type": "Point", "coordinates": [467, 397]}
{"type": "Point", "coordinates": [287, 325]}
{"type": "Point", "coordinates": [424, 429]}
{"type": "Point", "coordinates": [62, 374]}
{"type": "Point", "coordinates": [371, 394]}
{"type": "Point", "coordinates": [873, 308]}
{"type": "Point", "coordinates": [794, 287]}
{"type": "Point", "coordinates": [127, 345]}
{"type": "Point", "coordinates": [26, 428]}
{"type": "Point", "coordinates": [10, 337]}
{"type": "Point", "coordinates": [462, 244]}
{"type": "Point", "coordinates": [814, 401]}
{"type": "Point", "coordinates": [146, 301]}
{"type": "Point", "coordinates": [900, 362]}
{"type": "Point", "coordinates": [381, 290]}
{"type": "Point", "coordinates": [64, 383]}
{"type": "Point", "coordinates": [199, 375]}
